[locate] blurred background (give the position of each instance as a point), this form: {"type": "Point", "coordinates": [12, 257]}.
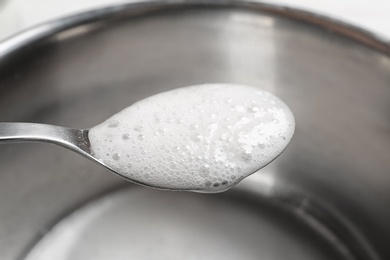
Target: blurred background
{"type": "Point", "coordinates": [16, 15]}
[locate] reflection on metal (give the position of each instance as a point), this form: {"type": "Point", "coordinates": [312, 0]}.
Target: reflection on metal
{"type": "Point", "coordinates": [263, 181]}
{"type": "Point", "coordinates": [335, 77]}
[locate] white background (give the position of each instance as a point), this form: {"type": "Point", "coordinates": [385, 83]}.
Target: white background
{"type": "Point", "coordinates": [16, 15]}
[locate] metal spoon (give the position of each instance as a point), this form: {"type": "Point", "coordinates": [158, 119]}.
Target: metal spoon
{"type": "Point", "coordinates": [94, 143]}
{"type": "Point", "coordinates": [74, 139]}
{"type": "Point", "coordinates": [71, 138]}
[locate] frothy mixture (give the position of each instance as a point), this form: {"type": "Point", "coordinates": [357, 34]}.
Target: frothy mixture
{"type": "Point", "coordinates": [204, 138]}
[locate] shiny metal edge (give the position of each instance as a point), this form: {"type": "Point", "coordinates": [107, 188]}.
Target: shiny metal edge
{"type": "Point", "coordinates": [39, 32]}
{"type": "Point", "coordinates": [317, 214]}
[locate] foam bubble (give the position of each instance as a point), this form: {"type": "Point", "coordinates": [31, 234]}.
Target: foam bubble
{"type": "Point", "coordinates": [205, 137]}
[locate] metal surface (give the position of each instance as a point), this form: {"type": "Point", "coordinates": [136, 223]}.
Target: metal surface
{"type": "Point", "coordinates": [73, 139]}
{"type": "Point", "coordinates": [76, 140]}
{"type": "Point", "coordinates": [334, 176]}
{"type": "Point", "coordinates": [123, 225]}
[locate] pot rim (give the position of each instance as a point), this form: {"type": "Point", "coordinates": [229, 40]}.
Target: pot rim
{"type": "Point", "coordinates": [33, 35]}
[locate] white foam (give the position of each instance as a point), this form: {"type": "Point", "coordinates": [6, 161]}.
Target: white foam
{"type": "Point", "coordinates": [205, 137]}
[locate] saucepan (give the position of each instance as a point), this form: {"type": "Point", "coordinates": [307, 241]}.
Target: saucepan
{"type": "Point", "coordinates": [326, 197]}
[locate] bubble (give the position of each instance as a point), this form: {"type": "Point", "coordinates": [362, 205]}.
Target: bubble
{"type": "Point", "coordinates": [116, 156]}
{"type": "Point", "coordinates": [224, 137]}
{"type": "Point", "coordinates": [138, 128]}
{"type": "Point", "coordinates": [238, 108]}
{"type": "Point", "coordinates": [197, 138]}
{"type": "Point", "coordinates": [246, 156]}
{"type": "Point", "coordinates": [113, 123]}
{"type": "Point", "coordinates": [162, 130]}
{"type": "Point", "coordinates": [125, 136]}
{"type": "Point", "coordinates": [141, 137]}
{"type": "Point", "coordinates": [204, 170]}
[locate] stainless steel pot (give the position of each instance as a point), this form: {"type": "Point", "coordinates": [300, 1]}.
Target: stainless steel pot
{"type": "Point", "coordinates": [326, 197]}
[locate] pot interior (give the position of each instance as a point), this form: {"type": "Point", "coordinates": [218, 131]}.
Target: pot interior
{"type": "Point", "coordinates": [323, 198]}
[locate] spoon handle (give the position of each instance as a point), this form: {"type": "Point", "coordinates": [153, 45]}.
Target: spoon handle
{"type": "Point", "coordinates": [73, 139]}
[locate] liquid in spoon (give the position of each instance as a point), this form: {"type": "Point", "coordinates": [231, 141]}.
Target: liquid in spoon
{"type": "Point", "coordinates": [202, 138]}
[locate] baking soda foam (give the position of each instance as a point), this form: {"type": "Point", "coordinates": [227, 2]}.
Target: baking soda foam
{"type": "Point", "coordinates": [201, 138]}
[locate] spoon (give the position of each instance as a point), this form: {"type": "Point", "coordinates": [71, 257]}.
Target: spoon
{"type": "Point", "coordinates": [73, 139]}
{"type": "Point", "coordinates": [203, 138]}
